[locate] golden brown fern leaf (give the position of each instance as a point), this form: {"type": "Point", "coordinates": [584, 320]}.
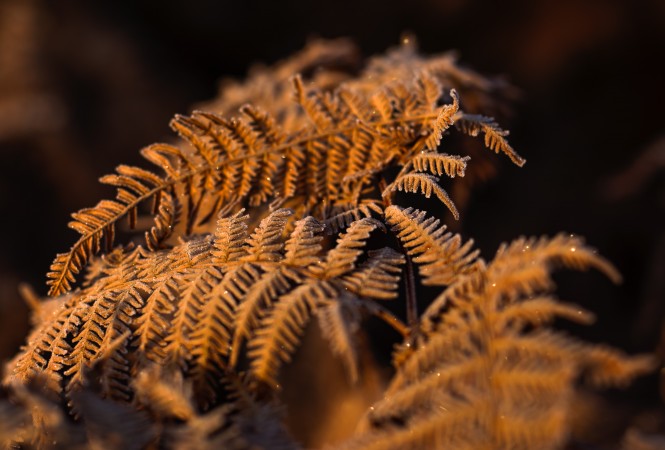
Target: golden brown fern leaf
{"type": "Point", "coordinates": [478, 95]}
{"type": "Point", "coordinates": [421, 182]}
{"type": "Point", "coordinates": [197, 306]}
{"type": "Point", "coordinates": [485, 372]}
{"type": "Point", "coordinates": [327, 168]}
{"type": "Point", "coordinates": [301, 250]}
{"type": "Point", "coordinates": [440, 255]}
{"type": "Point", "coordinates": [495, 137]}
{"type": "Point", "coordinates": [337, 279]}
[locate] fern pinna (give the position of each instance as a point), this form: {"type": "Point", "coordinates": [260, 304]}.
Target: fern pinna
{"type": "Point", "coordinates": [269, 219]}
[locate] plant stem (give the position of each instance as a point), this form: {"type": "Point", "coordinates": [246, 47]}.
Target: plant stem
{"type": "Point", "coordinates": [411, 300]}
{"type": "Point", "coordinates": [389, 318]}
{"type": "Point", "coordinates": [409, 278]}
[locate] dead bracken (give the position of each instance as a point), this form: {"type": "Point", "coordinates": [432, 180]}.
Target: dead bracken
{"type": "Point", "coordinates": [286, 205]}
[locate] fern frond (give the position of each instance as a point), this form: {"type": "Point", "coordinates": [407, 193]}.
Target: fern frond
{"type": "Point", "coordinates": [115, 371]}
{"type": "Point", "coordinates": [167, 211]}
{"type": "Point", "coordinates": [428, 89]}
{"type": "Point", "coordinates": [422, 183]}
{"type": "Point", "coordinates": [342, 258]}
{"type": "Point", "coordinates": [259, 298]}
{"type": "Point", "coordinates": [440, 163]}
{"type": "Point", "coordinates": [210, 346]}
{"type": "Point", "coordinates": [165, 394]}
{"type": "Point", "coordinates": [250, 158]}
{"type": "Point", "coordinates": [364, 142]}
{"type": "Point", "coordinates": [230, 236]}
{"type": "Point", "coordinates": [336, 162]}
{"type": "Point", "coordinates": [514, 261]}
{"type": "Point", "coordinates": [303, 245]}
{"type": "Point", "coordinates": [415, 396]}
{"type": "Point", "coordinates": [153, 322]}
{"type": "Point", "coordinates": [61, 347]}
{"type": "Point", "coordinates": [440, 255]}
{"type": "Point", "coordinates": [269, 86]}
{"type": "Point", "coordinates": [358, 106]}
{"type": "Point", "coordinates": [607, 367]}
{"type": "Point", "coordinates": [165, 274]}
{"type": "Point", "coordinates": [270, 136]}
{"type": "Point", "coordinates": [265, 244]}
{"type": "Point", "coordinates": [213, 327]}
{"type": "Point", "coordinates": [227, 172]}
{"type": "Point", "coordinates": [377, 277]}
{"type": "Point", "coordinates": [237, 281]}
{"type": "Point", "coordinates": [12, 423]}
{"type": "Point", "coordinates": [280, 331]}
{"type": "Point", "coordinates": [314, 105]}
{"type": "Point", "coordinates": [134, 186]}
{"type": "Point", "coordinates": [539, 311]}
{"type": "Point", "coordinates": [155, 339]}
{"type": "Point", "coordinates": [403, 100]}
{"type": "Point", "coordinates": [522, 269]}
{"type": "Point", "coordinates": [43, 341]}
{"type": "Point", "coordinates": [495, 137]}
{"type": "Point", "coordinates": [89, 340]}
{"type": "Point", "coordinates": [449, 427]}
{"type": "Point", "coordinates": [444, 120]}
{"type": "Point", "coordinates": [109, 317]}
{"type": "Point", "coordinates": [196, 285]}
{"type": "Point", "coordinates": [382, 104]}
{"type": "Point", "coordinates": [345, 214]}
{"type": "Point", "coordinates": [213, 334]}
{"type": "Point", "coordinates": [296, 158]}
{"type": "Point", "coordinates": [490, 356]}
{"type": "Point", "coordinates": [339, 322]}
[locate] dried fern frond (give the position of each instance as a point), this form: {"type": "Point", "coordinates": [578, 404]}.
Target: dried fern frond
{"type": "Point", "coordinates": [439, 164]}
{"type": "Point", "coordinates": [199, 304]}
{"type": "Point", "coordinates": [425, 183]}
{"type": "Point", "coordinates": [281, 328]}
{"type": "Point", "coordinates": [445, 118]}
{"type": "Point", "coordinates": [252, 159]}
{"type": "Point", "coordinates": [343, 215]}
{"type": "Point", "coordinates": [377, 276]}
{"type": "Point", "coordinates": [485, 360]}
{"type": "Point", "coordinates": [441, 256]}
{"type": "Point", "coordinates": [339, 322]}
{"type": "Point", "coordinates": [473, 124]}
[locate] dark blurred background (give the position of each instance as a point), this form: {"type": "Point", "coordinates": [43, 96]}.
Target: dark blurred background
{"type": "Point", "coordinates": [84, 85]}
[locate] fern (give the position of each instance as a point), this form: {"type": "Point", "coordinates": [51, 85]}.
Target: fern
{"type": "Point", "coordinates": [425, 183]}
{"type": "Point", "coordinates": [280, 208]}
{"type": "Point", "coordinates": [472, 125]}
{"type": "Point", "coordinates": [441, 256]}
{"type": "Point", "coordinates": [250, 158]}
{"type": "Point", "coordinates": [484, 373]}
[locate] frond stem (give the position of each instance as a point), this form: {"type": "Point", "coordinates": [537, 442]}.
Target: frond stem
{"type": "Point", "coordinates": [392, 320]}
{"type": "Point", "coordinates": [409, 278]}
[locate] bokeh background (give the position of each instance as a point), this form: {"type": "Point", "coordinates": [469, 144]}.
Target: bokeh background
{"type": "Point", "coordinates": [85, 85]}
